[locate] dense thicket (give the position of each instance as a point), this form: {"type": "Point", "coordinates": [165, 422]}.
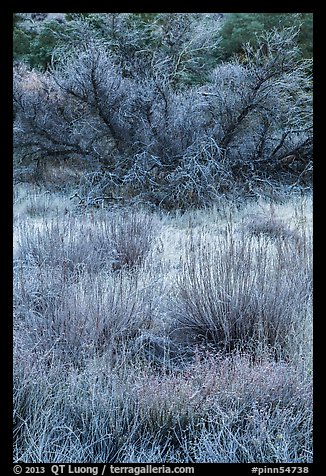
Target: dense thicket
{"type": "Point", "coordinates": [114, 99]}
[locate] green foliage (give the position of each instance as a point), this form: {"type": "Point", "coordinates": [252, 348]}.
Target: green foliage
{"type": "Point", "coordinates": [185, 44]}
{"type": "Point", "coordinates": [35, 46]}
{"type": "Point", "coordinates": [44, 43]}
{"type": "Point", "coordinates": [147, 17]}
{"type": "Point", "coordinates": [306, 35]}
{"type": "Point", "coordinates": [239, 28]}
{"type": "Point", "coordinates": [72, 16]}
{"type": "Point", "coordinates": [16, 18]}
{"type": "Point", "coordinates": [21, 43]}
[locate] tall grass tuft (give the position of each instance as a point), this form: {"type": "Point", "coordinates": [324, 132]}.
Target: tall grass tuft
{"type": "Point", "coordinates": [131, 234]}
{"type": "Point", "coordinates": [243, 291]}
{"type": "Point", "coordinates": [73, 321]}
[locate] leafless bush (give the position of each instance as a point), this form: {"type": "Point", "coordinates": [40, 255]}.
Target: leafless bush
{"type": "Point", "coordinates": [258, 128]}
{"type": "Point", "coordinates": [178, 46]}
{"type": "Point", "coordinates": [178, 145]}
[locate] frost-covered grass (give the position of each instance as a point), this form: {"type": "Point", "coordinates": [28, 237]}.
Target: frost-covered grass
{"type": "Point", "coordinates": [156, 337]}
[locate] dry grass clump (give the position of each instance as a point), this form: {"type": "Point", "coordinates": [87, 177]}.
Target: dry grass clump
{"type": "Point", "coordinates": [132, 234]}
{"type": "Point", "coordinates": [73, 321]}
{"type": "Point", "coordinates": [242, 291]}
